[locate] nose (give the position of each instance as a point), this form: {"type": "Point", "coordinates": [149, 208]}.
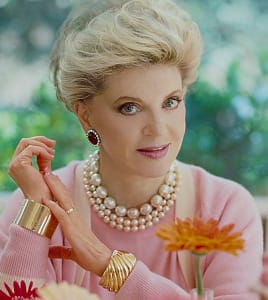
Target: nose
{"type": "Point", "coordinates": [154, 125]}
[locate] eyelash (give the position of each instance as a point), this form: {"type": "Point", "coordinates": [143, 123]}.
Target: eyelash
{"type": "Point", "coordinates": [138, 108]}
{"type": "Point", "coordinates": [177, 99]}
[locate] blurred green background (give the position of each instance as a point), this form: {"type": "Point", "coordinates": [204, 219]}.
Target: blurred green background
{"type": "Point", "coordinates": [227, 109]}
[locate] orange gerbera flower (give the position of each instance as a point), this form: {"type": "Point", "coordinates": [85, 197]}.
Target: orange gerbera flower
{"type": "Point", "coordinates": [201, 237]}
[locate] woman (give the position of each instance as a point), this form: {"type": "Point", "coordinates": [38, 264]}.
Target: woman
{"type": "Point", "coordinates": [123, 67]}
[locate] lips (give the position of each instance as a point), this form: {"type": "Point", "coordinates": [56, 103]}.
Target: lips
{"type": "Point", "coordinates": [154, 152]}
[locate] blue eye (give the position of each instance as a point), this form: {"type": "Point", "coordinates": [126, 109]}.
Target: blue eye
{"type": "Point", "coordinates": [172, 103]}
{"type": "Point", "coordinates": [129, 109]}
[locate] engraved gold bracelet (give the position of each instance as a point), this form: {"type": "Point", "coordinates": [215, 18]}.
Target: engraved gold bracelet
{"type": "Point", "coordinates": [36, 217]}
{"type": "Point", "coordinates": [120, 266]}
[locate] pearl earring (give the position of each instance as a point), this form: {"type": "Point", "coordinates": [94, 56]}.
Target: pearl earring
{"type": "Point", "coordinates": [93, 137]}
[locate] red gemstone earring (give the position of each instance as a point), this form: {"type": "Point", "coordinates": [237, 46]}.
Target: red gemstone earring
{"type": "Point", "coordinates": [93, 137]}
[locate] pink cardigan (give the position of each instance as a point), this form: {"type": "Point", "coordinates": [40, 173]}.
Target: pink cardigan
{"type": "Point", "coordinates": [157, 274]}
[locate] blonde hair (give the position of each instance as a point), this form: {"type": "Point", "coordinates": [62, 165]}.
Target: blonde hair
{"type": "Point", "coordinates": [103, 37]}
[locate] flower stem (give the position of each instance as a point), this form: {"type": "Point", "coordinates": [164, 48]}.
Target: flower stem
{"type": "Point", "coordinates": [199, 280]}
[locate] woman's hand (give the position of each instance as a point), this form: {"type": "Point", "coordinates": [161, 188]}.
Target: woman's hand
{"type": "Point", "coordinates": [29, 179]}
{"type": "Point", "coordinates": [86, 249]}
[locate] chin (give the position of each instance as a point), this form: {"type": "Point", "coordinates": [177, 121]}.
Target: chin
{"type": "Point", "coordinates": [156, 168]}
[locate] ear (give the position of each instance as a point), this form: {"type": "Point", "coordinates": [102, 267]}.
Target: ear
{"type": "Point", "coordinates": [82, 111]}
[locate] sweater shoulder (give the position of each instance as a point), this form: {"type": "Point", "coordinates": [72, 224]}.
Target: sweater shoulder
{"type": "Point", "coordinates": [217, 196]}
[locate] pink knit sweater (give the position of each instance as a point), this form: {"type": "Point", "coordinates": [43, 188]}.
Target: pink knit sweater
{"type": "Point", "coordinates": [157, 274]}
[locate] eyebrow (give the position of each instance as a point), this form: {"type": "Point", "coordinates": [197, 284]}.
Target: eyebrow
{"type": "Point", "coordinates": [139, 99]}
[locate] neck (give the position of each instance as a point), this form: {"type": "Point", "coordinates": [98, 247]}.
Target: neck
{"type": "Point", "coordinates": [128, 189]}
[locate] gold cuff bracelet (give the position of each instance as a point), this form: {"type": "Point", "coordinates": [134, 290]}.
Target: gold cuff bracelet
{"type": "Point", "coordinates": [36, 217]}
{"type": "Point", "coordinates": [120, 266]}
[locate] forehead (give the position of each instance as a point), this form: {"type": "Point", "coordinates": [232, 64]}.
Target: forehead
{"type": "Point", "coordinates": [144, 82]}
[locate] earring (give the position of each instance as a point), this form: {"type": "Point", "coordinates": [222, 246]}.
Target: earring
{"type": "Point", "coordinates": [93, 137]}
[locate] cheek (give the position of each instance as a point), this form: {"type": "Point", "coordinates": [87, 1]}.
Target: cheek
{"type": "Point", "coordinates": [179, 120]}
{"type": "Point", "coordinates": [111, 129]}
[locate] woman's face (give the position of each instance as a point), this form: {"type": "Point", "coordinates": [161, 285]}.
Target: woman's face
{"type": "Point", "coordinates": [140, 118]}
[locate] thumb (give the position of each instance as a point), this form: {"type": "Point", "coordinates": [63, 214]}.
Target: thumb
{"type": "Point", "coordinates": [60, 252]}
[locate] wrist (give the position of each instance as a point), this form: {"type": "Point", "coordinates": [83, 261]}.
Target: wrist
{"type": "Point", "coordinates": [119, 268]}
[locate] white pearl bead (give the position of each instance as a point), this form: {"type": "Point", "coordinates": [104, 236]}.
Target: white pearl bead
{"type": "Point", "coordinates": [92, 201]}
{"type": "Point", "coordinates": [170, 203]}
{"type": "Point", "coordinates": [161, 215]}
{"type": "Point", "coordinates": [164, 202]}
{"type": "Point", "coordinates": [164, 190]}
{"type": "Point", "coordinates": [142, 221]}
{"type": "Point", "coordinates": [102, 207]}
{"type": "Point", "coordinates": [134, 228]}
{"type": "Point", "coordinates": [107, 212]}
{"type": "Point", "coordinates": [149, 224]}
{"type": "Point", "coordinates": [174, 197]}
{"type": "Point", "coordinates": [98, 200]}
{"type": "Point", "coordinates": [94, 167]}
{"type": "Point", "coordinates": [101, 191]}
{"type": "Point", "coordinates": [96, 207]}
{"type": "Point", "coordinates": [119, 226]}
{"type": "Point", "coordinates": [155, 220]}
{"type": "Point", "coordinates": [95, 155]}
{"type": "Point", "coordinates": [133, 213]}
{"type": "Point", "coordinates": [154, 213]}
{"type": "Point", "coordinates": [89, 194]}
{"type": "Point", "coordinates": [145, 209]}
{"type": "Point", "coordinates": [106, 219]}
{"type": "Point", "coordinates": [95, 179]}
{"type": "Point", "coordinates": [127, 229]}
{"type": "Point", "coordinates": [112, 224]}
{"type": "Point", "coordinates": [120, 210]}
{"type": "Point", "coordinates": [173, 165]}
{"type": "Point", "coordinates": [127, 222]}
{"type": "Point", "coordinates": [94, 194]}
{"type": "Point", "coordinates": [109, 202]}
{"type": "Point", "coordinates": [87, 187]}
{"type": "Point", "coordinates": [113, 217]}
{"type": "Point", "coordinates": [120, 220]}
{"type": "Point", "coordinates": [101, 213]}
{"type": "Point", "coordinates": [142, 227]}
{"type": "Point", "coordinates": [148, 218]}
{"type": "Point", "coordinates": [156, 200]}
{"type": "Point", "coordinates": [134, 222]}
{"type": "Point", "coordinates": [160, 208]}
{"type": "Point", "coordinates": [92, 188]}
{"type": "Point", "coordinates": [166, 208]}
{"type": "Point", "coordinates": [170, 177]}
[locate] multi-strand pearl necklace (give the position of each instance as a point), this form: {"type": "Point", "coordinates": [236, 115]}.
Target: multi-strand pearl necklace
{"type": "Point", "coordinates": [129, 219]}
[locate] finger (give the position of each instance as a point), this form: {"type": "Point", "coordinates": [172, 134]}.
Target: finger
{"type": "Point", "coordinates": [37, 141]}
{"type": "Point", "coordinates": [24, 159]}
{"type": "Point", "coordinates": [68, 226]}
{"type": "Point", "coordinates": [44, 165]}
{"type": "Point", "coordinates": [60, 252]}
{"type": "Point", "coordinates": [41, 154]}
{"type": "Point", "coordinates": [63, 218]}
{"type": "Point", "coordinates": [59, 191]}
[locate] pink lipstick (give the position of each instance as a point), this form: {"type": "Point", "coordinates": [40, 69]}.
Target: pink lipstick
{"type": "Point", "coordinates": [154, 152]}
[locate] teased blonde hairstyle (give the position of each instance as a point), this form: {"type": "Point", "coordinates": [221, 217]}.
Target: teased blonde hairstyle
{"type": "Point", "coordinates": [103, 37]}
